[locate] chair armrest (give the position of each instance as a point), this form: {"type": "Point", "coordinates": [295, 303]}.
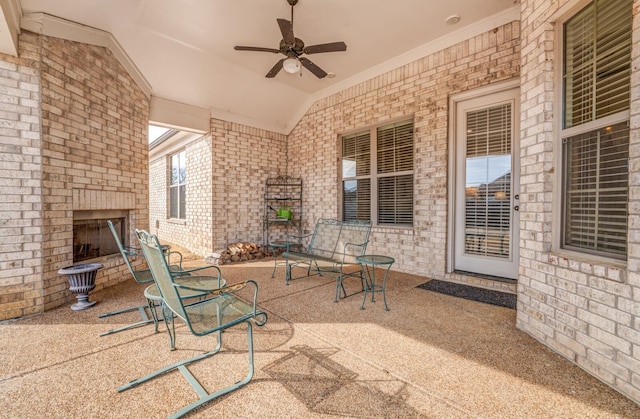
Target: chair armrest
{"type": "Point", "coordinates": [298, 238]}
{"type": "Point", "coordinates": [230, 290]}
{"type": "Point", "coordinates": [187, 272]}
{"type": "Point", "coordinates": [363, 247]}
{"type": "Point", "coordinates": [293, 236]}
{"type": "Point", "coordinates": [249, 309]}
{"type": "Point", "coordinates": [133, 251]}
{"type": "Point", "coordinates": [216, 291]}
{"type": "Point", "coordinates": [173, 252]}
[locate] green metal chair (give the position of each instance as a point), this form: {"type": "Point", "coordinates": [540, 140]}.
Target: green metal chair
{"type": "Point", "coordinates": [224, 309]}
{"type": "Point", "coordinates": [151, 293]}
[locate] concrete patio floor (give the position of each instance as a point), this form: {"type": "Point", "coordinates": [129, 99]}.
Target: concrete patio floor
{"type": "Point", "coordinates": [430, 356]}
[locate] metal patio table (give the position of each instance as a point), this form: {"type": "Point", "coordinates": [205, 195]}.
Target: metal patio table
{"type": "Point", "coordinates": [374, 261]}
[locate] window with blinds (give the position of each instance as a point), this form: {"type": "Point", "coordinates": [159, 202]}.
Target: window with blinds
{"type": "Point", "coordinates": [379, 160]}
{"type": "Point", "coordinates": [488, 182]}
{"type": "Point", "coordinates": [177, 186]}
{"type": "Point", "coordinates": [597, 57]}
{"type": "Point", "coordinates": [597, 179]}
{"type": "Point", "coordinates": [596, 76]}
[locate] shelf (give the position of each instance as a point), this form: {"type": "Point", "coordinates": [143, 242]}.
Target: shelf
{"type": "Point", "coordinates": [282, 191]}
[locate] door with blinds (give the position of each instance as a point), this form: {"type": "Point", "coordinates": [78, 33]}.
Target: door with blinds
{"type": "Point", "coordinates": [486, 187]}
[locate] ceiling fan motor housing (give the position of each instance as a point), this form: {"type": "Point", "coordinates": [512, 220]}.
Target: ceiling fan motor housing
{"type": "Point", "coordinates": [297, 47]}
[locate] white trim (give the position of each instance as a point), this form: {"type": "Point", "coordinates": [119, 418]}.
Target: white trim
{"type": "Point", "coordinates": [172, 145]}
{"type": "Point", "coordinates": [179, 116]}
{"type": "Point", "coordinates": [453, 102]}
{"type": "Point", "coordinates": [622, 116]}
{"type": "Point", "coordinates": [10, 15]}
{"type": "Point", "coordinates": [56, 27]}
{"type": "Point", "coordinates": [560, 17]}
{"type": "Point", "coordinates": [558, 116]}
{"type": "Point", "coordinates": [484, 25]}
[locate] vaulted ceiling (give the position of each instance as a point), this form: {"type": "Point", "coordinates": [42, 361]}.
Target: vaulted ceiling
{"type": "Point", "coordinates": [184, 49]}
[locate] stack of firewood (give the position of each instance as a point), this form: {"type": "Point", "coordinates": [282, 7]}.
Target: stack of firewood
{"type": "Point", "coordinates": [238, 252]}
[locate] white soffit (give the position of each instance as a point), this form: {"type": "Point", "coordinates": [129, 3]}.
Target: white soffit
{"type": "Point", "coordinates": [179, 116]}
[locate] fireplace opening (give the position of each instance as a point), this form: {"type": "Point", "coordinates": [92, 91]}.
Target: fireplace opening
{"type": "Point", "coordinates": [92, 237]}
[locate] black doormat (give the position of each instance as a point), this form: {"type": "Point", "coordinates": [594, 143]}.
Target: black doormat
{"type": "Point", "coordinates": [482, 295]}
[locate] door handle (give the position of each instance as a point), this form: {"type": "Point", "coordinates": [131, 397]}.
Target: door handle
{"type": "Point", "coordinates": [516, 208]}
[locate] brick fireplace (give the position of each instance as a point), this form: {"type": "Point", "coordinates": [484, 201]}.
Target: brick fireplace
{"type": "Point", "coordinates": [91, 211]}
{"type": "Point", "coordinates": [82, 141]}
{"type": "Point", "coordinates": [92, 237]}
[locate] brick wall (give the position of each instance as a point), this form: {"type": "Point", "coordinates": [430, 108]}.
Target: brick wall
{"type": "Point", "coordinates": [243, 158]}
{"type": "Point", "coordinates": [20, 184]}
{"type": "Point", "coordinates": [193, 233]}
{"type": "Point", "coordinates": [92, 137]}
{"type": "Point", "coordinates": [159, 197]}
{"type": "Point", "coordinates": [586, 310]}
{"type": "Point", "coordinates": [419, 90]}
{"type": "Point", "coordinates": [226, 173]}
{"type": "Point", "coordinates": [94, 131]}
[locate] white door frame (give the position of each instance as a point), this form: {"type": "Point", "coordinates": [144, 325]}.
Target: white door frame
{"type": "Point", "coordinates": [452, 170]}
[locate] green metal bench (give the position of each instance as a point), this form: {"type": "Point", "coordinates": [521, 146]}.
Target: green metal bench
{"type": "Point", "coordinates": [222, 310]}
{"type": "Point", "coordinates": [332, 251]}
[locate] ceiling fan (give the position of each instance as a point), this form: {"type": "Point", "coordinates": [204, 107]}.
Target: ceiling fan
{"type": "Point", "coordinates": [293, 48]}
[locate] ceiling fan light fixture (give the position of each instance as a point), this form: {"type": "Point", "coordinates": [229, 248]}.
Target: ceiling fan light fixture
{"type": "Point", "coordinates": [291, 65]}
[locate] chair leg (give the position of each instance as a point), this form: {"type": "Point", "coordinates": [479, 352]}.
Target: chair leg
{"type": "Point", "coordinates": [167, 314]}
{"type": "Point", "coordinates": [340, 286]}
{"type": "Point", "coordinates": [181, 366]}
{"type": "Point", "coordinates": [287, 273]}
{"type": "Point", "coordinates": [143, 315]}
{"type": "Point", "coordinates": [152, 308]}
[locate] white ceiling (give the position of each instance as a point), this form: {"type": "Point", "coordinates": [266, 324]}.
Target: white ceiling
{"type": "Point", "coordinates": [184, 48]}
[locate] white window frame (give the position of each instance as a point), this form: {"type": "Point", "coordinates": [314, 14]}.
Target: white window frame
{"type": "Point", "coordinates": [562, 133]}
{"type": "Point", "coordinates": [373, 175]}
{"type": "Point", "coordinates": [178, 185]}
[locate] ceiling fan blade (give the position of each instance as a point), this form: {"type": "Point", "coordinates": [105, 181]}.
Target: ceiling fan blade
{"type": "Point", "coordinates": [309, 65]}
{"type": "Point", "coordinates": [287, 31]}
{"type": "Point", "coordinates": [241, 48]}
{"type": "Point", "coordinates": [330, 47]}
{"type": "Point", "coordinates": [275, 69]}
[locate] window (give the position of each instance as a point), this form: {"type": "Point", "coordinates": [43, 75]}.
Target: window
{"type": "Point", "coordinates": [595, 132]}
{"type": "Point", "coordinates": [177, 187]}
{"type": "Point", "coordinates": [379, 159]}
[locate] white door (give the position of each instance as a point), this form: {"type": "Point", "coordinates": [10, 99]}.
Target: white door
{"type": "Point", "coordinates": [486, 185]}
